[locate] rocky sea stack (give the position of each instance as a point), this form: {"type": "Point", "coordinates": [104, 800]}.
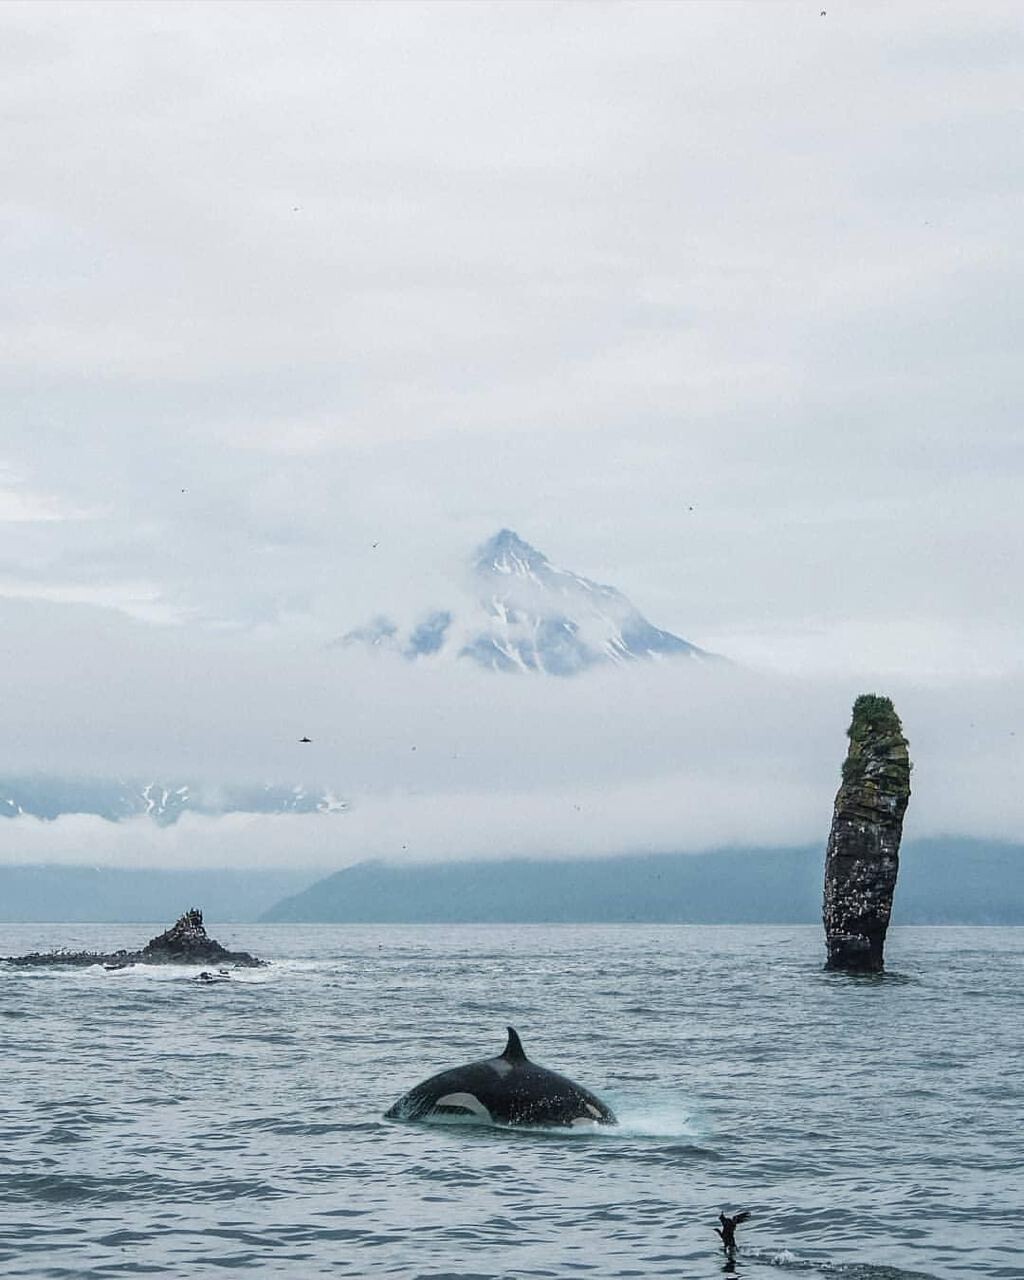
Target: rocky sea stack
{"type": "Point", "coordinates": [185, 942]}
{"type": "Point", "coordinates": [864, 844]}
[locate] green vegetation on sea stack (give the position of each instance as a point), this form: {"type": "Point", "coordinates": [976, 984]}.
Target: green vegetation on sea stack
{"type": "Point", "coordinates": [875, 724]}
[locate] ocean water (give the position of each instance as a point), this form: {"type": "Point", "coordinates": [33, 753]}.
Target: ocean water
{"type": "Point", "coordinates": [154, 1125]}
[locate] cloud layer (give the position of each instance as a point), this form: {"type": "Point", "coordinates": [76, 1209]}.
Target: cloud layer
{"type": "Point", "coordinates": [440, 759]}
{"type": "Point", "coordinates": [715, 303]}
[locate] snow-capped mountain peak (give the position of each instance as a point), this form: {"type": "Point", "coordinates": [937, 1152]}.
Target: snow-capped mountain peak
{"type": "Point", "coordinates": [507, 553]}
{"type": "Point", "coordinates": [525, 614]}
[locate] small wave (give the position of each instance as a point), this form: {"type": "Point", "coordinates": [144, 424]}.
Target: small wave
{"type": "Point", "coordinates": [887, 978]}
{"type": "Point", "coordinates": [97, 1189]}
{"type": "Point", "coordinates": [302, 1128]}
{"type": "Point", "coordinates": [790, 1261]}
{"type": "Point", "coordinates": [662, 1119]}
{"type": "Point", "coordinates": [133, 975]}
{"type": "Point", "coordinates": [459, 1275]}
{"type": "Point", "coordinates": [869, 1271]}
{"type": "Point", "coordinates": [257, 1037]}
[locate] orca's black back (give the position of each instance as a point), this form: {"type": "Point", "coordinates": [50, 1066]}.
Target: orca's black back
{"type": "Point", "coordinates": [516, 1093]}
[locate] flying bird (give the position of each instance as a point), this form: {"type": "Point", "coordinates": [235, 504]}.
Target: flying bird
{"type": "Point", "coordinates": [305, 739]}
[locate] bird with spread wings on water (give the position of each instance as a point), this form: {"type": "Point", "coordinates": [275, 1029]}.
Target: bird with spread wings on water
{"type": "Point", "coordinates": [727, 1230]}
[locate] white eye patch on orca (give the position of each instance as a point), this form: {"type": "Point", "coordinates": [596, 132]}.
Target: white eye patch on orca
{"type": "Point", "coordinates": [466, 1102]}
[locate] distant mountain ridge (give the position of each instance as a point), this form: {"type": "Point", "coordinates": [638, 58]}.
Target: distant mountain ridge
{"type": "Point", "coordinates": [527, 615]}
{"type": "Point", "coordinates": [941, 881]}
{"type": "Point", "coordinates": [111, 895]}
{"type": "Point", "coordinates": [116, 799]}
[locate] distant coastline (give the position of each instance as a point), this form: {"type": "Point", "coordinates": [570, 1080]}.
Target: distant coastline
{"type": "Point", "coordinates": [949, 880]}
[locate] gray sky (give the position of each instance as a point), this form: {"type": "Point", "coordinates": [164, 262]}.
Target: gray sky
{"type": "Point", "coordinates": [402, 274]}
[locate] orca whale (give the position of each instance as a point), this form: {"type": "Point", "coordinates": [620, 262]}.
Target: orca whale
{"type": "Point", "coordinates": [506, 1090]}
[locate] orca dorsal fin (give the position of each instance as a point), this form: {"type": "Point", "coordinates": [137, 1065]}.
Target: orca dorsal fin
{"type": "Point", "coordinates": [514, 1051]}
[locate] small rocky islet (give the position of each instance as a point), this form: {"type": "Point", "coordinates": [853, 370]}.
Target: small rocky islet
{"type": "Point", "coordinates": [185, 942]}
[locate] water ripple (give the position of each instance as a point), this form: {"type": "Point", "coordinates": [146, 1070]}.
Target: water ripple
{"type": "Point", "coordinates": [151, 1127]}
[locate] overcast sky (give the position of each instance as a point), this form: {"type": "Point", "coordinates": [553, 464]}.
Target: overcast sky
{"type": "Point", "coordinates": [720, 303]}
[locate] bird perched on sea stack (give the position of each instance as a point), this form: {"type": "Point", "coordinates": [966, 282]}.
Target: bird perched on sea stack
{"type": "Point", "coordinates": [727, 1230]}
{"type": "Point", "coordinates": [864, 844]}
